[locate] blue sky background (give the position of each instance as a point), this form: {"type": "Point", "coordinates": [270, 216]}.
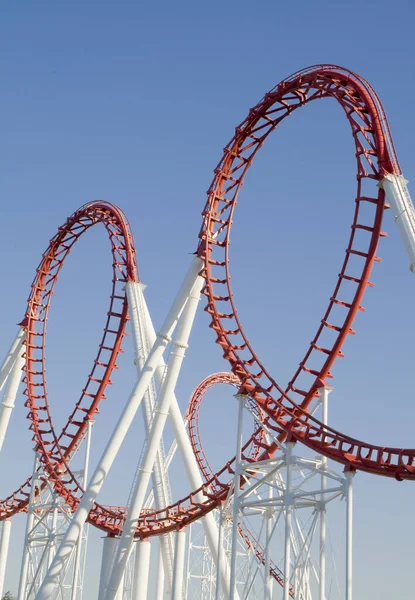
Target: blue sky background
{"type": "Point", "coordinates": [133, 102]}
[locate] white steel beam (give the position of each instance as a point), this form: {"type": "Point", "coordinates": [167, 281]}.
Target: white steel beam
{"type": "Point", "coordinates": [50, 585]}
{"type": "Point", "coordinates": [141, 570]}
{"type": "Point", "coordinates": [179, 345]}
{"type": "Point", "coordinates": [4, 550]}
{"type": "Point", "coordinates": [178, 572]}
{"type": "Point", "coordinates": [398, 197]}
{"type": "Point", "coordinates": [191, 467]}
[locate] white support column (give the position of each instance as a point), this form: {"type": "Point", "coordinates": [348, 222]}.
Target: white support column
{"type": "Point", "coordinates": [108, 548]}
{"type": "Point", "coordinates": [178, 568]}
{"type": "Point", "coordinates": [179, 345]}
{"type": "Point", "coordinates": [77, 572]}
{"type": "Point", "coordinates": [160, 575]}
{"type": "Point", "coordinates": [4, 550]}
{"type": "Point", "coordinates": [188, 550]}
{"type": "Point", "coordinates": [236, 492]}
{"type": "Point", "coordinates": [159, 478]}
{"type": "Point", "coordinates": [50, 586]}
{"type": "Point", "coordinates": [29, 525]}
{"type": "Point", "coordinates": [141, 570]}
{"type": "Point", "coordinates": [16, 349]}
{"type": "Point", "coordinates": [191, 467]}
{"type": "Point", "coordinates": [288, 501]}
{"type": "Point", "coordinates": [324, 391]}
{"type": "Point", "coordinates": [220, 556]}
{"type": "Point", "coordinates": [349, 533]}
{"type": "Point", "coordinates": [398, 197]}
{"type": "Point", "coordinates": [10, 393]}
{"type": "Point", "coordinates": [267, 562]}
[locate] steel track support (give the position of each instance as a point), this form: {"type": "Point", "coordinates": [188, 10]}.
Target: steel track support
{"type": "Point", "coordinates": [29, 525]}
{"type": "Point", "coordinates": [160, 575]}
{"type": "Point", "coordinates": [349, 534]}
{"type": "Point", "coordinates": [141, 570]}
{"type": "Point", "coordinates": [324, 392]}
{"type": "Point", "coordinates": [108, 548]}
{"type": "Point", "coordinates": [15, 349]}
{"type": "Point", "coordinates": [267, 562]}
{"type": "Point", "coordinates": [236, 491]}
{"type": "Point", "coordinates": [4, 550]}
{"type": "Point", "coordinates": [50, 585]}
{"type": "Point", "coordinates": [179, 556]}
{"type": "Point", "coordinates": [179, 345]}
{"type": "Point", "coordinates": [220, 556]}
{"type": "Point", "coordinates": [160, 483]}
{"type": "Point", "coordinates": [80, 556]}
{"type": "Point", "coordinates": [190, 463]}
{"type": "Point", "coordinates": [288, 502]}
{"type": "Point", "coordinates": [12, 374]}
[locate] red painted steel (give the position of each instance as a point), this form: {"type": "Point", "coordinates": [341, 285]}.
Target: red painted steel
{"type": "Point", "coordinates": [287, 408]}
{"type": "Point", "coordinates": [251, 452]}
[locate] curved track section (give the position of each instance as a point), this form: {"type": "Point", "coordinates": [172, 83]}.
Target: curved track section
{"type": "Point", "coordinates": [376, 157]}
{"type": "Point", "coordinates": [287, 408]}
{"type": "Point", "coordinates": [252, 448]}
{"type": "Point", "coordinates": [56, 451]}
{"type": "Point", "coordinates": [192, 417]}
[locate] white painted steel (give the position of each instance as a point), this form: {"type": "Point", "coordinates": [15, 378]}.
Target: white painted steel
{"type": "Point", "coordinates": [141, 570]}
{"type": "Point", "coordinates": [236, 491]}
{"type": "Point", "coordinates": [14, 378]}
{"type": "Point", "coordinates": [78, 568]}
{"type": "Point", "coordinates": [349, 534]}
{"type": "Point", "coordinates": [108, 548]}
{"type": "Point", "coordinates": [160, 483]}
{"type": "Point", "coordinates": [178, 571]}
{"type": "Point", "coordinates": [160, 575]}
{"type": "Point", "coordinates": [29, 525]}
{"type": "Point", "coordinates": [288, 521]}
{"type": "Point", "coordinates": [398, 197]}
{"type": "Point", "coordinates": [179, 345]}
{"type": "Point", "coordinates": [4, 550]}
{"type": "Point", "coordinates": [220, 556]}
{"type": "Point", "coordinates": [49, 587]}
{"type": "Point", "coordinates": [324, 391]}
{"type": "Point", "coordinates": [15, 349]}
{"type": "Point", "coordinates": [189, 461]}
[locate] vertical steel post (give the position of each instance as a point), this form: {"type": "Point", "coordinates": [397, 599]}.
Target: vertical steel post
{"type": "Point", "coordinates": [349, 533]}
{"type": "Point", "coordinates": [179, 345]}
{"type": "Point", "coordinates": [324, 391]}
{"type": "Point", "coordinates": [76, 571]}
{"type": "Point", "coordinates": [288, 501]}
{"type": "Point", "coordinates": [159, 478]}
{"type": "Point", "coordinates": [108, 549]}
{"type": "Point", "coordinates": [267, 562]}
{"type": "Point", "coordinates": [141, 570]}
{"type": "Point", "coordinates": [236, 492]}
{"type": "Point", "coordinates": [178, 566]}
{"type": "Point", "coordinates": [50, 586]}
{"type": "Point", "coordinates": [10, 393]}
{"type": "Point", "coordinates": [220, 555]}
{"type": "Point", "coordinates": [190, 463]}
{"type": "Point", "coordinates": [4, 550]}
{"type": "Point", "coordinates": [15, 349]}
{"type": "Point", "coordinates": [160, 575]}
{"type": "Point", "coordinates": [29, 525]}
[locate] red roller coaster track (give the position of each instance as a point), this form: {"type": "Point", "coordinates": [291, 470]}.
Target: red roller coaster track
{"type": "Point", "coordinates": [287, 409]}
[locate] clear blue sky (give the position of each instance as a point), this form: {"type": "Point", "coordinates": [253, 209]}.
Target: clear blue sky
{"type": "Point", "coordinates": [133, 102]}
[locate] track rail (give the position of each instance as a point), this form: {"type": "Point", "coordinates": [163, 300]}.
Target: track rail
{"type": "Point", "coordinates": [376, 157]}
{"type": "Point", "coordinates": [287, 409]}
{"type": "Point", "coordinates": [56, 451]}
{"type": "Point", "coordinates": [252, 452]}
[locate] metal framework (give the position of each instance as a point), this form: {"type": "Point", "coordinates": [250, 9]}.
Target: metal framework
{"type": "Point", "coordinates": [62, 501]}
